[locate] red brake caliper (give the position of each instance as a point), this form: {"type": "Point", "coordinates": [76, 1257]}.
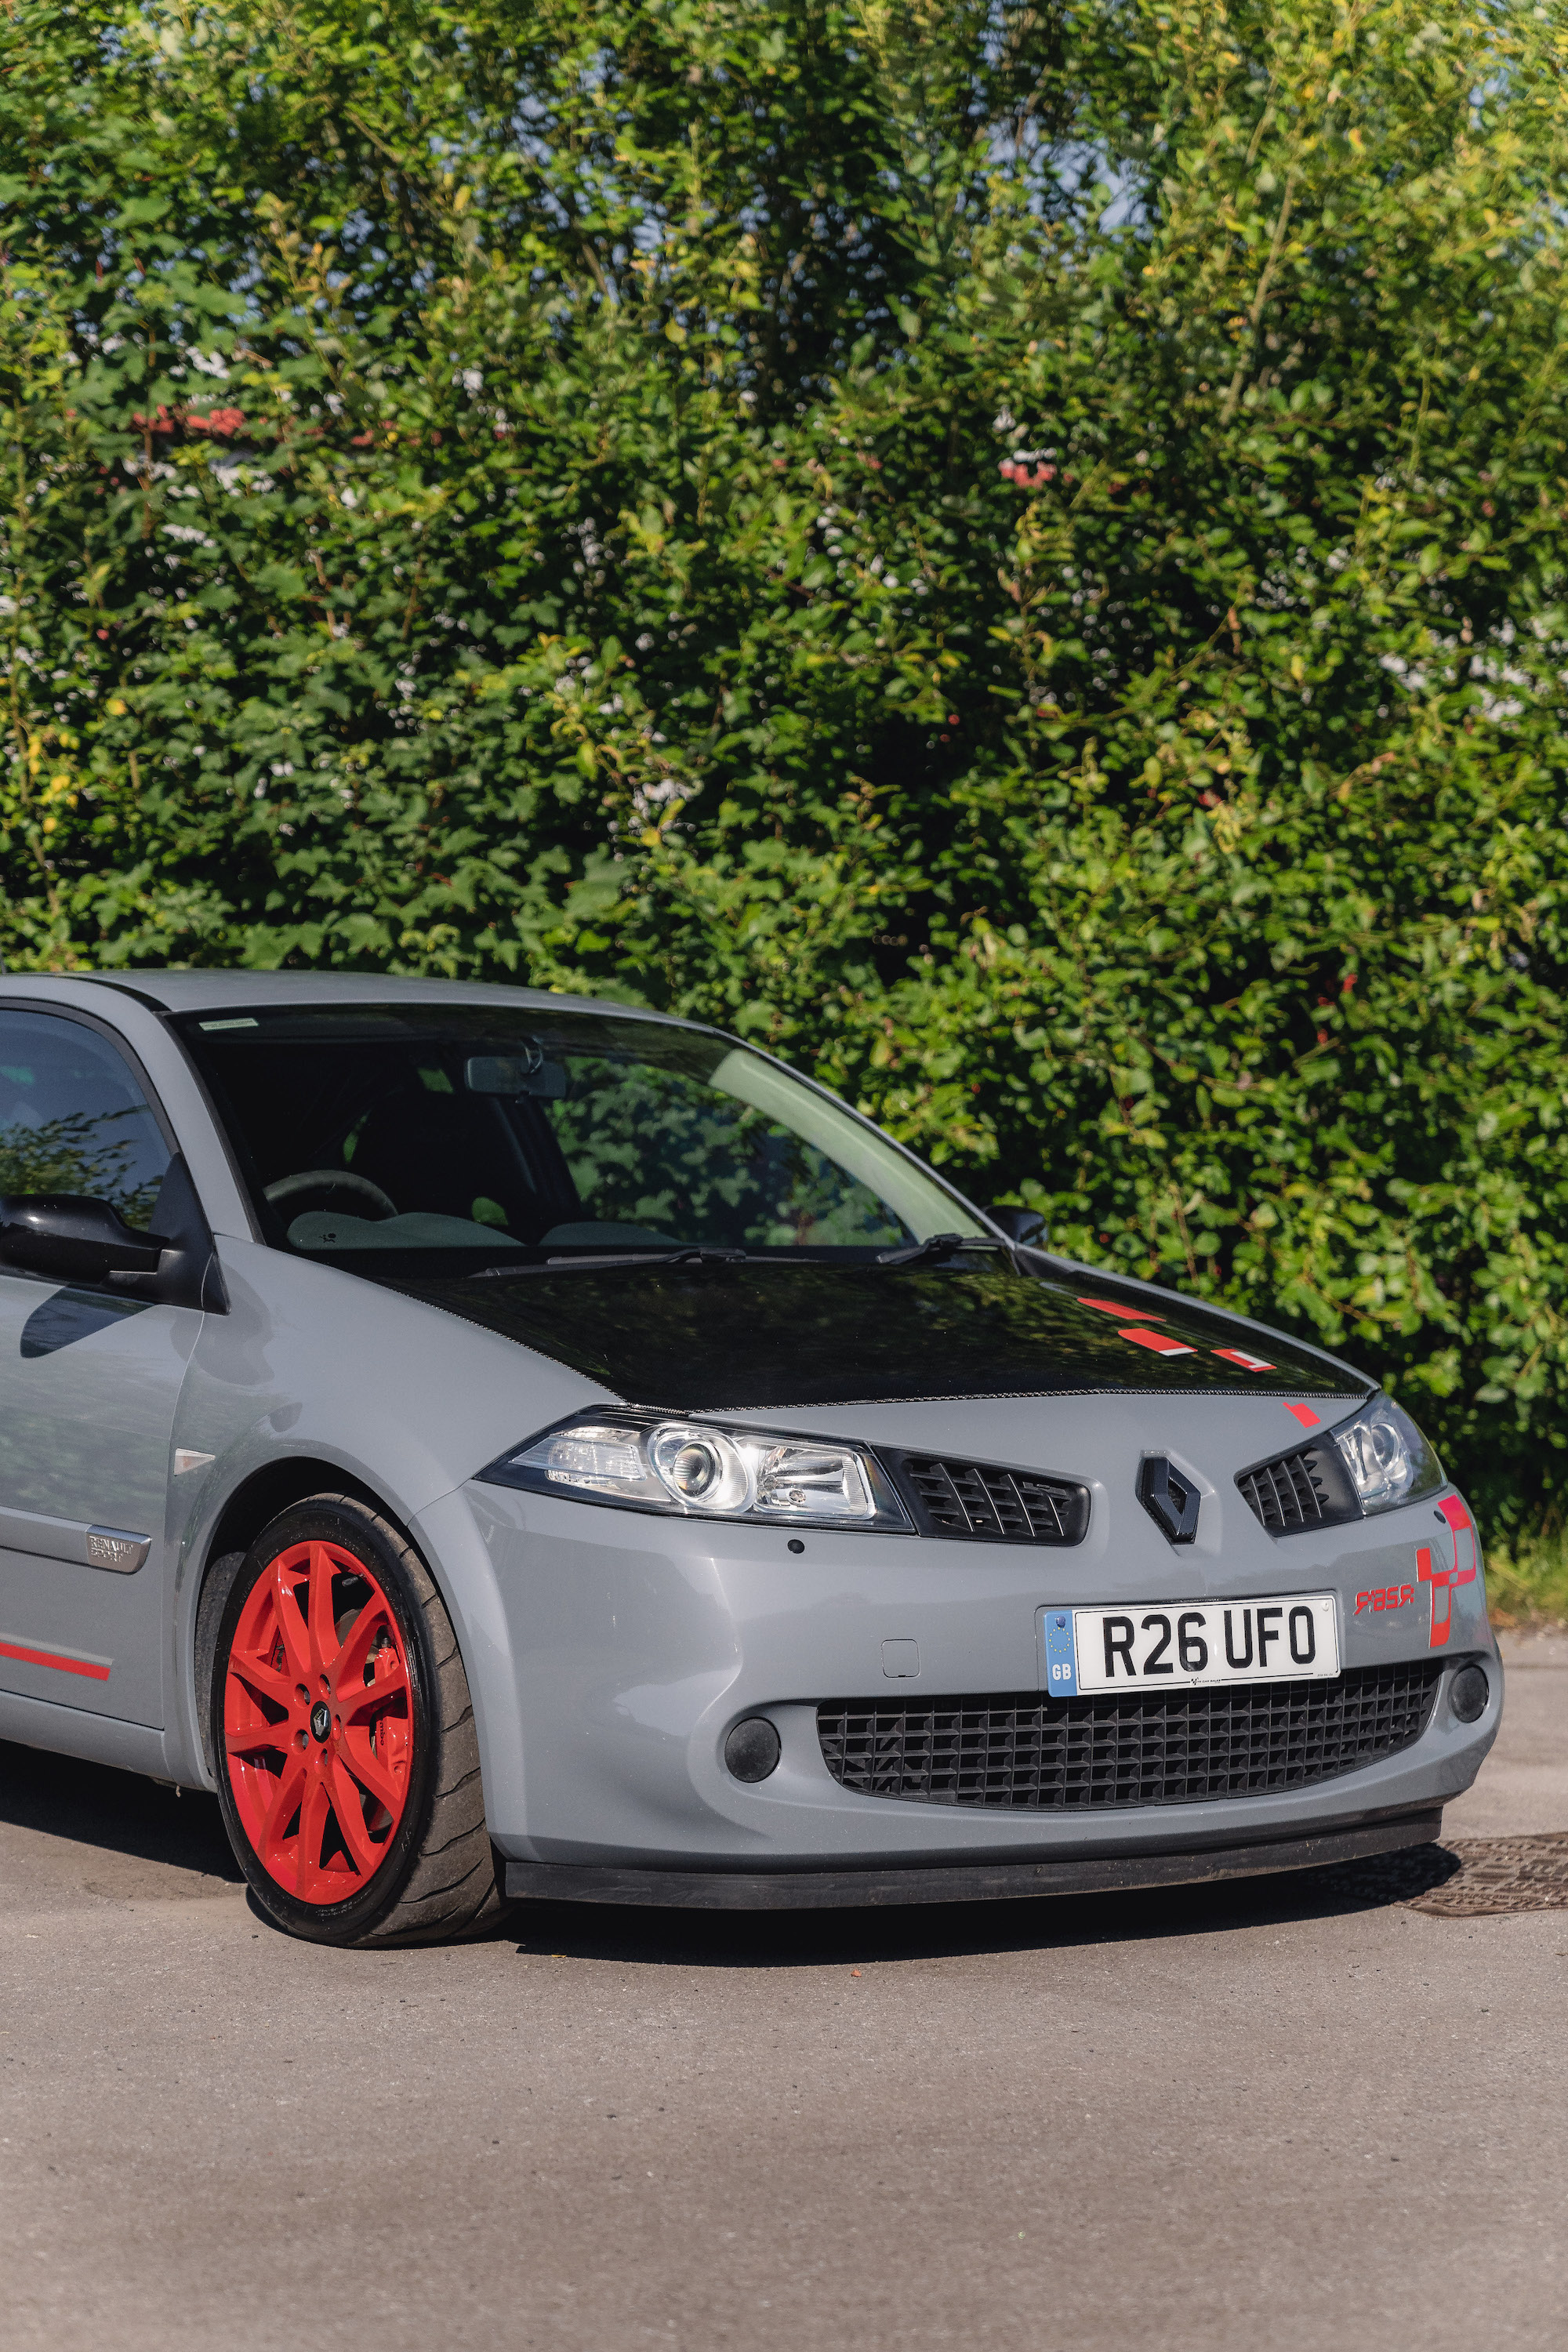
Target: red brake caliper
{"type": "Point", "coordinates": [318, 1729]}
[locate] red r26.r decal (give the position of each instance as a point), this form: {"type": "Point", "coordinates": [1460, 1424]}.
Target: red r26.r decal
{"type": "Point", "coordinates": [1385, 1596]}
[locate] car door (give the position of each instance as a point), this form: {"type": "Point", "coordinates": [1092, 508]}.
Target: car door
{"type": "Point", "coordinates": [88, 1384]}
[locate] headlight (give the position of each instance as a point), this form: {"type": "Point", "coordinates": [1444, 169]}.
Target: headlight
{"type": "Point", "coordinates": [695, 1469]}
{"type": "Point", "coordinates": [1389, 1460]}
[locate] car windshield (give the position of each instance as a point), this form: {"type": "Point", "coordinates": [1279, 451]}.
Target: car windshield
{"type": "Point", "coordinates": [517, 1134]}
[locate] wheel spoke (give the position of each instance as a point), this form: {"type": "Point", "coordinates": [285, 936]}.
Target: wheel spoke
{"type": "Point", "coordinates": [288, 1793]}
{"type": "Point", "coordinates": [357, 1754]}
{"type": "Point", "coordinates": [291, 1627]}
{"type": "Point", "coordinates": [313, 1811]}
{"type": "Point", "coordinates": [251, 1741]}
{"type": "Point", "coordinates": [262, 1680]}
{"type": "Point", "coordinates": [350, 1814]}
{"type": "Point", "coordinates": [324, 1631]}
{"type": "Point", "coordinates": [349, 1674]}
{"type": "Point", "coordinates": [390, 1682]}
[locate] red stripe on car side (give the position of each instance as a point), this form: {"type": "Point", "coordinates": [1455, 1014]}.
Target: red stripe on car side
{"type": "Point", "coordinates": [90, 1667]}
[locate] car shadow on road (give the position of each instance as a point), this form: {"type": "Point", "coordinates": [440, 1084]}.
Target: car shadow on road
{"type": "Point", "coordinates": [94, 1806]}
{"type": "Point", "coordinates": [118, 1812]}
{"type": "Point", "coordinates": [775, 1939]}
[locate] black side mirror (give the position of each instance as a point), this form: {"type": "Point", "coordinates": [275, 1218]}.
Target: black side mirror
{"type": "Point", "coordinates": [1024, 1228]}
{"type": "Point", "coordinates": [73, 1238]}
{"type": "Point", "coordinates": [77, 1238]}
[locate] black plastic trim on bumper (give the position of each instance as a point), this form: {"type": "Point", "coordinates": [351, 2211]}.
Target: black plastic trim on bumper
{"type": "Point", "coordinates": [808, 1890]}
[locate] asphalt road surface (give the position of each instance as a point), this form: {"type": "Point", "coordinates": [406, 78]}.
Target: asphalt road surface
{"type": "Point", "coordinates": [1293, 2113]}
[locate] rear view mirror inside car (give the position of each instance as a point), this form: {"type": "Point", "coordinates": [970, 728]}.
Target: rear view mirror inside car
{"type": "Point", "coordinates": [515, 1074]}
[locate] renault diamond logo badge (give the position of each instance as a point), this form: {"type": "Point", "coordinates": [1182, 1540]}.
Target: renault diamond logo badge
{"type": "Point", "coordinates": [1171, 1500]}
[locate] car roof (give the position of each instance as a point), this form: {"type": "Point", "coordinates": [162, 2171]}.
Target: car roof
{"type": "Point", "coordinates": [211, 991]}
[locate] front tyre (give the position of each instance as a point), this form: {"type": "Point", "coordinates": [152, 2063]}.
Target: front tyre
{"type": "Point", "coordinates": [348, 1763]}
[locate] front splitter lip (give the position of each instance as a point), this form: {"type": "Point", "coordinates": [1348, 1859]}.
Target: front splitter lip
{"type": "Point", "coordinates": [1200, 1862]}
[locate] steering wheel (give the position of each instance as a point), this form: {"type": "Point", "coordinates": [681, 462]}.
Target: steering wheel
{"type": "Point", "coordinates": [337, 1179]}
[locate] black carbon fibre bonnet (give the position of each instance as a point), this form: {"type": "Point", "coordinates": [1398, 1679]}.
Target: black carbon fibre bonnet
{"type": "Point", "coordinates": [769, 1333]}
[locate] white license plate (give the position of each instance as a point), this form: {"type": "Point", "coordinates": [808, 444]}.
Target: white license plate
{"type": "Point", "coordinates": [1184, 1644]}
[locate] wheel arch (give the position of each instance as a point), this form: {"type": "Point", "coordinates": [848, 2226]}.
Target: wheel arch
{"type": "Point", "coordinates": [255, 1503]}
{"type": "Point", "coordinates": [454, 1556]}
{"type": "Point", "coordinates": [442, 1828]}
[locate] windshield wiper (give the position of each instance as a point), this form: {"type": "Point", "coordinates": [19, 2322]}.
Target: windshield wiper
{"type": "Point", "coordinates": [701, 1254]}
{"type": "Point", "coordinates": [935, 1245]}
{"type": "Point", "coordinates": [697, 1254]}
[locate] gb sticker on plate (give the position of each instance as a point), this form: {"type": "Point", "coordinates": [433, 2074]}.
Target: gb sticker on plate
{"type": "Point", "coordinates": [1061, 1653]}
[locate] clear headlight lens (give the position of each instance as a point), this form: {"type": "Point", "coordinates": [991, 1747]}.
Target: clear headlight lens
{"type": "Point", "coordinates": [1389, 1460]}
{"type": "Point", "coordinates": [701, 1469]}
{"type": "Point", "coordinates": [695, 1468]}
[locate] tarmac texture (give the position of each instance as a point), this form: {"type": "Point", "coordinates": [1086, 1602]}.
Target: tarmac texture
{"type": "Point", "coordinates": [1286, 2112]}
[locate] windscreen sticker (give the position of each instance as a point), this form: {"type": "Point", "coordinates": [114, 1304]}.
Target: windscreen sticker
{"type": "Point", "coordinates": [1248, 1364]}
{"type": "Point", "coordinates": [1128, 1314]}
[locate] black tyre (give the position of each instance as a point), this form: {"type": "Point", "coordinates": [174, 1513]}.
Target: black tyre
{"type": "Point", "coordinates": [343, 1739]}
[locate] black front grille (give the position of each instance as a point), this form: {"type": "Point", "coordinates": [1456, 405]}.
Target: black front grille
{"type": "Point", "coordinates": [1079, 1755]}
{"type": "Point", "coordinates": [1308, 1488]}
{"type": "Point", "coordinates": [984, 1503]}
{"type": "Point", "coordinates": [1284, 1494]}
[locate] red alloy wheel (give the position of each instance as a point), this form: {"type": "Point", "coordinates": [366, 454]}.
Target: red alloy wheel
{"type": "Point", "coordinates": [319, 1722]}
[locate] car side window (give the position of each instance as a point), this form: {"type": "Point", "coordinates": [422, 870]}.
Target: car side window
{"type": "Point", "coordinates": [73, 1118]}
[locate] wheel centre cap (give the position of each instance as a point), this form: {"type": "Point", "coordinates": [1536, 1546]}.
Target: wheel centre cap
{"type": "Point", "coordinates": [321, 1719]}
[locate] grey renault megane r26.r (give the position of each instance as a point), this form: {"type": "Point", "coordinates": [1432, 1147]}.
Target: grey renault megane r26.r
{"type": "Point", "coordinates": [509, 1445]}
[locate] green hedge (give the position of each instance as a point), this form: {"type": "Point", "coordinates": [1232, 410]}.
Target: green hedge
{"type": "Point", "coordinates": [1013, 553]}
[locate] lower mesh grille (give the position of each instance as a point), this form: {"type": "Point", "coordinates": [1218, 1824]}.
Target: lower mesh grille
{"type": "Point", "coordinates": [1085, 1754]}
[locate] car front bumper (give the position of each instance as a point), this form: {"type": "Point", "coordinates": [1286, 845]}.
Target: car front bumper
{"type": "Point", "coordinates": [966, 1882]}
{"type": "Point", "coordinates": [612, 1652]}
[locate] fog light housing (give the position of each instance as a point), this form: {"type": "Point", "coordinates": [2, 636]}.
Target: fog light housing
{"type": "Point", "coordinates": [753, 1749]}
{"type": "Point", "coordinates": [1471, 1694]}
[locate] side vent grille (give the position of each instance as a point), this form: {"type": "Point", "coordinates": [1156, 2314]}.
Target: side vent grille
{"type": "Point", "coordinates": [1308, 1488]}
{"type": "Point", "coordinates": [981, 1502]}
{"type": "Point", "coordinates": [1285, 1494]}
